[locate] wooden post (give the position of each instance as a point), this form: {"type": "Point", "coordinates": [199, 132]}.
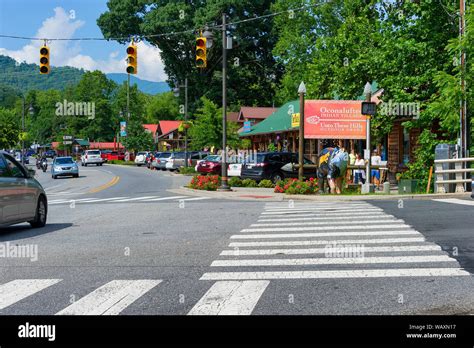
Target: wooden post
{"type": "Point", "coordinates": [429, 180]}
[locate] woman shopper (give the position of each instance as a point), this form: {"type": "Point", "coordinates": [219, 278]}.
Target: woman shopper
{"type": "Point", "coordinates": [359, 174]}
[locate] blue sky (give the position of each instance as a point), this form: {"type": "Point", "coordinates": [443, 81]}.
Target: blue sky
{"type": "Point", "coordinates": [69, 19]}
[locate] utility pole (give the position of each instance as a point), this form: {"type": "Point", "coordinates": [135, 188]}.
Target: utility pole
{"type": "Point", "coordinates": [368, 187]}
{"type": "Point", "coordinates": [224, 185]}
{"type": "Point", "coordinates": [301, 91]}
{"type": "Point", "coordinates": [23, 130]}
{"type": "Point", "coordinates": [128, 97]}
{"type": "Point", "coordinates": [186, 121]}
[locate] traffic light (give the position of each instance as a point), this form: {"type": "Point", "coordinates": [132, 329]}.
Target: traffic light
{"type": "Point", "coordinates": [201, 57]}
{"type": "Point", "coordinates": [132, 59]}
{"type": "Point", "coordinates": [44, 60]}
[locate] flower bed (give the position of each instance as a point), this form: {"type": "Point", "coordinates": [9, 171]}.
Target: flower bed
{"type": "Point", "coordinates": [296, 187]}
{"type": "Point", "coordinates": [205, 182]}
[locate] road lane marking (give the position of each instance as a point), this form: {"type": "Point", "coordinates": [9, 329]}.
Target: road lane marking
{"type": "Point", "coordinates": [326, 242]}
{"type": "Point", "coordinates": [230, 298]}
{"type": "Point", "coordinates": [354, 215]}
{"type": "Point", "coordinates": [111, 298]}
{"type": "Point", "coordinates": [455, 201]}
{"type": "Point", "coordinates": [324, 228]}
{"type": "Point", "coordinates": [164, 198]}
{"type": "Point", "coordinates": [327, 223]}
{"type": "Point", "coordinates": [325, 210]}
{"type": "Point", "coordinates": [368, 273]}
{"type": "Point", "coordinates": [318, 207]}
{"type": "Point", "coordinates": [332, 261]}
{"type": "Point", "coordinates": [19, 289]}
{"type": "Point", "coordinates": [93, 200]}
{"type": "Point", "coordinates": [306, 251]}
{"type": "Point", "coordinates": [196, 199]}
{"type": "Point", "coordinates": [135, 199]}
{"type": "Point", "coordinates": [323, 234]}
{"type": "Point", "coordinates": [111, 183]}
{"type": "Point", "coordinates": [332, 217]}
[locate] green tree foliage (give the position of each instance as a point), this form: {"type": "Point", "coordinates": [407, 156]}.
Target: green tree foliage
{"type": "Point", "coordinates": [252, 67]}
{"type": "Point", "coordinates": [9, 129]}
{"type": "Point", "coordinates": [161, 107]}
{"type": "Point", "coordinates": [137, 138]}
{"type": "Point", "coordinates": [207, 128]}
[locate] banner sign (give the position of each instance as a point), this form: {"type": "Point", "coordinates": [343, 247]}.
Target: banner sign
{"type": "Point", "coordinates": [123, 129]}
{"type": "Point", "coordinates": [295, 120]}
{"type": "Point", "coordinates": [334, 119]}
{"type": "Point", "coordinates": [247, 126]}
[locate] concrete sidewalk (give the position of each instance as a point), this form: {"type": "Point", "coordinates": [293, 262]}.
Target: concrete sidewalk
{"type": "Point", "coordinates": [267, 194]}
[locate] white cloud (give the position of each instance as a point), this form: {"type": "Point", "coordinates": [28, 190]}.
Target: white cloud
{"type": "Point", "coordinates": [68, 53]}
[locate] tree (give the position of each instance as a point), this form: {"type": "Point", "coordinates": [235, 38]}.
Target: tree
{"type": "Point", "coordinates": [137, 138]}
{"type": "Point", "coordinates": [162, 106]}
{"type": "Point", "coordinates": [9, 129]}
{"type": "Point", "coordinates": [252, 68]}
{"type": "Point", "coordinates": [207, 128]}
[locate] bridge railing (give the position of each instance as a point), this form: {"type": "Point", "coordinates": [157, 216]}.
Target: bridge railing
{"type": "Point", "coordinates": [461, 168]}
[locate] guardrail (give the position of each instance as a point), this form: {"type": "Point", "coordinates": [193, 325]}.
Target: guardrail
{"type": "Point", "coordinates": [460, 170]}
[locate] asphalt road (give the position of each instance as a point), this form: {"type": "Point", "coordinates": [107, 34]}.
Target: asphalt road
{"type": "Point", "coordinates": [117, 242]}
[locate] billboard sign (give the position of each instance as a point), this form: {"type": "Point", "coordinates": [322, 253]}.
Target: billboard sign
{"type": "Point", "coordinates": [295, 120]}
{"type": "Point", "coordinates": [334, 119]}
{"type": "Point", "coordinates": [247, 126]}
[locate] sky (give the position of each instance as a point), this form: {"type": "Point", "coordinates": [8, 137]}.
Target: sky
{"type": "Point", "coordinates": [70, 19]}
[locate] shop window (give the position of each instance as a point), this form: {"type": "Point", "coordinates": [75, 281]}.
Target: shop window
{"type": "Point", "coordinates": [406, 146]}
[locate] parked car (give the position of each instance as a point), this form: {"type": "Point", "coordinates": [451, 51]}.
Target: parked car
{"type": "Point", "coordinates": [64, 166]}
{"type": "Point", "coordinates": [141, 157]}
{"type": "Point", "coordinates": [210, 165]}
{"type": "Point", "coordinates": [160, 161]}
{"type": "Point", "coordinates": [104, 154]}
{"type": "Point", "coordinates": [22, 198]}
{"type": "Point", "coordinates": [91, 157]}
{"type": "Point", "coordinates": [50, 154]}
{"type": "Point", "coordinates": [176, 161]}
{"type": "Point", "coordinates": [115, 156]}
{"type": "Point", "coordinates": [275, 166]}
{"type": "Point", "coordinates": [195, 157]}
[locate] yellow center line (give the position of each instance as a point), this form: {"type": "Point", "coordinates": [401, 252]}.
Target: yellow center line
{"type": "Point", "coordinates": [105, 186]}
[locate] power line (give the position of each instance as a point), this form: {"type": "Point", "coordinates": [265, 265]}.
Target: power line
{"type": "Point", "coordinates": [219, 26]}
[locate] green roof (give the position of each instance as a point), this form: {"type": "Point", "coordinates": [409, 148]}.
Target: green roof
{"type": "Point", "coordinates": [279, 121]}
{"type": "Point", "coordinates": [82, 142]}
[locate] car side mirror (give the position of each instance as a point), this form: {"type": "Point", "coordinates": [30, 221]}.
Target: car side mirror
{"type": "Point", "coordinates": [31, 173]}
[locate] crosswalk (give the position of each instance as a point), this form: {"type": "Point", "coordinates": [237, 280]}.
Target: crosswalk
{"type": "Point", "coordinates": [274, 248]}
{"type": "Point", "coordinates": [125, 199]}
{"type": "Point", "coordinates": [455, 201]}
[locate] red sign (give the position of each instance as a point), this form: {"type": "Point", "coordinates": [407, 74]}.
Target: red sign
{"type": "Point", "coordinates": [334, 119]}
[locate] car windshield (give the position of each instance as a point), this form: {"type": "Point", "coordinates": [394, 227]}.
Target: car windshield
{"type": "Point", "coordinates": [93, 152]}
{"type": "Point", "coordinates": [66, 160]}
{"type": "Point", "coordinates": [213, 158]}
{"type": "Point", "coordinates": [179, 155]}
{"type": "Point", "coordinates": [165, 154]}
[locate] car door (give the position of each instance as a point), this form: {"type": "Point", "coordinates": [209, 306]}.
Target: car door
{"type": "Point", "coordinates": [26, 190]}
{"type": "Point", "coordinates": [10, 194]}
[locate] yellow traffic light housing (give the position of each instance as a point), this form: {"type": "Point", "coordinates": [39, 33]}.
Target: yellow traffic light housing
{"type": "Point", "coordinates": [44, 60]}
{"type": "Point", "coordinates": [132, 59]}
{"type": "Point", "coordinates": [201, 54]}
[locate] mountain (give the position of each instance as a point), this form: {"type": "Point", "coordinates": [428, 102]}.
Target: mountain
{"type": "Point", "coordinates": [145, 86]}
{"type": "Point", "coordinates": [25, 77]}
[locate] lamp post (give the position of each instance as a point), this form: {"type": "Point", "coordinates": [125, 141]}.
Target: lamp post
{"type": "Point", "coordinates": [224, 185]}
{"type": "Point", "coordinates": [302, 92]}
{"type": "Point", "coordinates": [176, 93]}
{"type": "Point", "coordinates": [368, 187]}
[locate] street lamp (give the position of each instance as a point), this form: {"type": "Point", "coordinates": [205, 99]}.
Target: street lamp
{"type": "Point", "coordinates": [209, 38]}
{"type": "Point", "coordinates": [368, 187]}
{"type": "Point", "coordinates": [176, 94]}
{"type": "Point", "coordinates": [302, 92]}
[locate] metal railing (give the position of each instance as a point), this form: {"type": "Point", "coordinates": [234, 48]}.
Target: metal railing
{"type": "Point", "coordinates": [460, 170]}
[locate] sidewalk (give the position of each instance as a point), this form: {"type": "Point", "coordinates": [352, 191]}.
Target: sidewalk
{"type": "Point", "coordinates": [267, 194]}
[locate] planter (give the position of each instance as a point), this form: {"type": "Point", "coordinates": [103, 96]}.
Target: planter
{"type": "Point", "coordinates": [408, 186]}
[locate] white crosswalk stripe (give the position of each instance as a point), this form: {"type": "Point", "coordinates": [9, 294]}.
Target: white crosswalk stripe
{"type": "Point", "coordinates": [124, 199]}
{"type": "Point", "coordinates": [111, 298]}
{"type": "Point", "coordinates": [455, 201]}
{"type": "Point", "coordinates": [19, 289]}
{"type": "Point", "coordinates": [270, 249]}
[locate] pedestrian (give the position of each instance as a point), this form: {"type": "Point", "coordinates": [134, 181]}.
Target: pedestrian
{"type": "Point", "coordinates": [350, 173]}
{"type": "Point", "coordinates": [337, 169]}
{"type": "Point", "coordinates": [359, 174]}
{"type": "Point", "coordinates": [375, 173]}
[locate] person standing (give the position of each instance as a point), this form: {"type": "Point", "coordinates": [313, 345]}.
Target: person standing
{"type": "Point", "coordinates": [375, 173]}
{"type": "Point", "coordinates": [359, 174]}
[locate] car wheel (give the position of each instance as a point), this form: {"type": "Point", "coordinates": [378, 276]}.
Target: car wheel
{"type": "Point", "coordinates": [55, 177]}
{"type": "Point", "coordinates": [85, 164]}
{"type": "Point", "coordinates": [76, 175]}
{"type": "Point", "coordinates": [41, 214]}
{"type": "Point", "coordinates": [82, 164]}
{"type": "Point", "coordinates": [277, 176]}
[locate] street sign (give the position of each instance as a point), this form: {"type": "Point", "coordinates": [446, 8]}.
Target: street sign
{"type": "Point", "coordinates": [67, 142]}
{"type": "Point", "coordinates": [123, 129]}
{"type": "Point", "coordinates": [295, 120]}
{"type": "Point", "coordinates": [368, 108]}
{"type": "Point", "coordinates": [67, 137]}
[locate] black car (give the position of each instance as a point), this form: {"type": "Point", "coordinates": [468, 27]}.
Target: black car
{"type": "Point", "coordinates": [274, 166]}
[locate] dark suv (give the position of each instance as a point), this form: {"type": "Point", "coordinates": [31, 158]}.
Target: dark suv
{"type": "Point", "coordinates": [274, 166]}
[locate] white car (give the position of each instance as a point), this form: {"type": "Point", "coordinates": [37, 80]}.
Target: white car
{"type": "Point", "coordinates": [140, 158]}
{"type": "Point", "coordinates": [91, 157]}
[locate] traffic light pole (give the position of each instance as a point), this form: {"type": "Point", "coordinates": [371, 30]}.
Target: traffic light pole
{"type": "Point", "coordinates": [185, 122]}
{"type": "Point", "coordinates": [23, 130]}
{"type": "Point", "coordinates": [224, 184]}
{"type": "Point", "coordinates": [128, 97]}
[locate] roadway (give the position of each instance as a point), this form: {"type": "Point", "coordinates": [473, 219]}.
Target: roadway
{"type": "Point", "coordinates": [151, 251]}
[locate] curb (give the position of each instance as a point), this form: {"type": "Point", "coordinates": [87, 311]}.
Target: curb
{"type": "Point", "coordinates": [282, 197]}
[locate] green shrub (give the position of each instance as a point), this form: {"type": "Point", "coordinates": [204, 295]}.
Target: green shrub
{"type": "Point", "coordinates": [124, 163]}
{"type": "Point", "coordinates": [296, 187]}
{"type": "Point", "coordinates": [235, 182]}
{"type": "Point", "coordinates": [249, 183]}
{"type": "Point", "coordinates": [188, 170]}
{"type": "Point", "coordinates": [266, 184]}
